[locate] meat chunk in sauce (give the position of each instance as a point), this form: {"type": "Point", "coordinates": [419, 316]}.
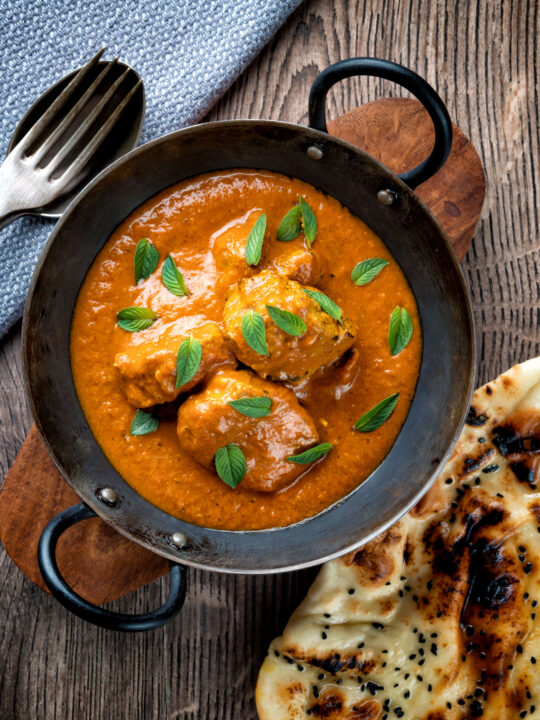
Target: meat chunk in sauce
{"type": "Point", "coordinates": [229, 255]}
{"type": "Point", "coordinates": [148, 370]}
{"type": "Point", "coordinates": [292, 260]}
{"type": "Point", "coordinates": [298, 264]}
{"type": "Point", "coordinates": [206, 422]}
{"type": "Point", "coordinates": [289, 358]}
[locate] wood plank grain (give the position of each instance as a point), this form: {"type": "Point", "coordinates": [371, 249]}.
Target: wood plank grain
{"type": "Point", "coordinates": [483, 58]}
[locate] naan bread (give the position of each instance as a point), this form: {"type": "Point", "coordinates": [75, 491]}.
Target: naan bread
{"type": "Point", "coordinates": [437, 618]}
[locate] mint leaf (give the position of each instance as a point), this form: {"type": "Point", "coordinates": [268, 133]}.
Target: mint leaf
{"type": "Point", "coordinates": [230, 464]}
{"type": "Point", "coordinates": [188, 360]}
{"type": "Point", "coordinates": [367, 270]}
{"type": "Point", "coordinates": [287, 321]}
{"type": "Point", "coordinates": [400, 330]}
{"type": "Point", "coordinates": [254, 331]}
{"type": "Point", "coordinates": [378, 415]}
{"type": "Point", "coordinates": [314, 453]}
{"type": "Point", "coordinates": [309, 222]}
{"type": "Point", "coordinates": [253, 407]}
{"type": "Point", "coordinates": [255, 241]}
{"type": "Point", "coordinates": [143, 423]}
{"type": "Point", "coordinates": [173, 278]}
{"type": "Point", "coordinates": [146, 259]}
{"type": "Point", "coordinates": [290, 227]}
{"type": "Point", "coordinates": [135, 319]}
{"type": "Point", "coordinates": [328, 305]}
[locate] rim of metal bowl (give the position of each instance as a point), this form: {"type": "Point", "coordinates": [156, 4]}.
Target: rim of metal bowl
{"type": "Point", "coordinates": [173, 553]}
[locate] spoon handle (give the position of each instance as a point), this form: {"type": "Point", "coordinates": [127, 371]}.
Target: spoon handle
{"type": "Point", "coordinates": [9, 211]}
{"type": "Point", "coordinates": [11, 193]}
{"type": "Point", "coordinates": [8, 218]}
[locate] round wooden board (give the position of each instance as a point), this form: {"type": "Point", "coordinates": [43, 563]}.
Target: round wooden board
{"type": "Point", "coordinates": [399, 133]}
{"type": "Point", "coordinates": [99, 563]}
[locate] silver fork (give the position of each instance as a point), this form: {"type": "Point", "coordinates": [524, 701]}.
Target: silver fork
{"type": "Point", "coordinates": [33, 175]}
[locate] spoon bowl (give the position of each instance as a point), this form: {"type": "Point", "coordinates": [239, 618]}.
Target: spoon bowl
{"type": "Point", "coordinates": [121, 139]}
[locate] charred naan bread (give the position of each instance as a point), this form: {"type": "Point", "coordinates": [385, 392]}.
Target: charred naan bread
{"type": "Point", "coordinates": [438, 618]}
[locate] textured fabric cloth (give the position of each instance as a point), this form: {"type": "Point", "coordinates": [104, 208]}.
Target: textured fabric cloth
{"type": "Point", "coordinates": [187, 52]}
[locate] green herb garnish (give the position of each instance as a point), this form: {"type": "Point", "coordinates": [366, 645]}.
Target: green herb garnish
{"type": "Point", "coordinates": [309, 222]}
{"type": "Point", "coordinates": [188, 360]}
{"type": "Point", "coordinates": [255, 241]}
{"type": "Point", "coordinates": [253, 407]}
{"type": "Point", "coordinates": [290, 227]}
{"type": "Point", "coordinates": [173, 278]}
{"type": "Point", "coordinates": [135, 319]}
{"type": "Point", "coordinates": [287, 321]}
{"type": "Point", "coordinates": [400, 330]}
{"type": "Point", "coordinates": [254, 331]}
{"type": "Point", "coordinates": [146, 259]}
{"type": "Point", "coordinates": [367, 270]}
{"type": "Point", "coordinates": [143, 423]}
{"type": "Point", "coordinates": [379, 414]}
{"type": "Point", "coordinates": [328, 305]}
{"type": "Point", "coordinates": [314, 453]}
{"type": "Point", "coordinates": [230, 464]}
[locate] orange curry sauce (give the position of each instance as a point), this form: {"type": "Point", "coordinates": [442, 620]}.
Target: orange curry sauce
{"type": "Point", "coordinates": [184, 220]}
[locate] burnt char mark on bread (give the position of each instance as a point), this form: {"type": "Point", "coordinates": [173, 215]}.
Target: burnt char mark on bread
{"type": "Point", "coordinates": [475, 418]}
{"type": "Point", "coordinates": [375, 564]}
{"type": "Point", "coordinates": [333, 706]}
{"type": "Point", "coordinates": [509, 442]}
{"type": "Point", "coordinates": [328, 706]}
{"type": "Point", "coordinates": [333, 663]}
{"type": "Point", "coordinates": [523, 473]}
{"type": "Point", "coordinates": [475, 462]}
{"type": "Point", "coordinates": [518, 440]}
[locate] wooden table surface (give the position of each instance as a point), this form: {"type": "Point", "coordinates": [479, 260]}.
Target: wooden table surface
{"type": "Point", "coordinates": [482, 57]}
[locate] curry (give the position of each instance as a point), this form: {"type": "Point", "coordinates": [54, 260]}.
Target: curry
{"type": "Point", "coordinates": [245, 350]}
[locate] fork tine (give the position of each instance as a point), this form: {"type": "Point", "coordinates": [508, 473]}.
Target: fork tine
{"type": "Point", "coordinates": [84, 126]}
{"type": "Point", "coordinates": [80, 161]}
{"type": "Point", "coordinates": [75, 110]}
{"type": "Point", "coordinates": [34, 132]}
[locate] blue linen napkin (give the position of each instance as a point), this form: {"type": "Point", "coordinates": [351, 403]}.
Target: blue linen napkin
{"type": "Point", "coordinates": [187, 52]}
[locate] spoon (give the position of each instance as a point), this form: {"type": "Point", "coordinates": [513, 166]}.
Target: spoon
{"type": "Point", "coordinates": [98, 119]}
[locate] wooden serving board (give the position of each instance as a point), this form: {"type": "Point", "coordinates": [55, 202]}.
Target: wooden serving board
{"type": "Point", "coordinates": [99, 563]}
